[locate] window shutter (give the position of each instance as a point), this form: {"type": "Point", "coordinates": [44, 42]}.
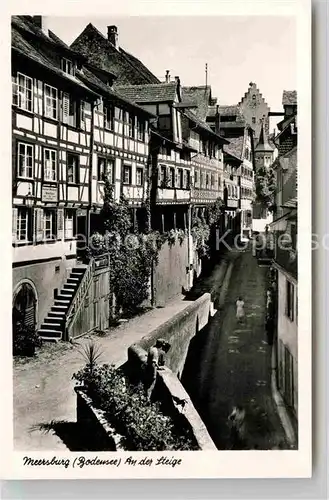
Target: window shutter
{"type": "Point", "coordinates": [14, 224]}
{"type": "Point", "coordinates": [66, 107]}
{"type": "Point", "coordinates": [60, 223]}
{"type": "Point", "coordinates": [39, 224]}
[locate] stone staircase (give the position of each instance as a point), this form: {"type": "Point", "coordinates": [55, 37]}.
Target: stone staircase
{"type": "Point", "coordinates": [53, 326]}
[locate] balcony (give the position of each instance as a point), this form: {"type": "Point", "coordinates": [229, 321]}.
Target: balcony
{"type": "Point", "coordinates": [204, 195]}
{"type": "Point", "coordinates": [133, 192]}
{"type": "Point", "coordinates": [173, 195]}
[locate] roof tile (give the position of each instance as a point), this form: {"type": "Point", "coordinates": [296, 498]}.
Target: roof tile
{"type": "Point", "coordinates": [289, 97]}
{"type": "Point", "coordinates": [160, 92]}
{"type": "Point", "coordinates": [200, 96]}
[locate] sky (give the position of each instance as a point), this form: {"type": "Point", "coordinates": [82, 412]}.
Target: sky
{"type": "Point", "coordinates": [237, 49]}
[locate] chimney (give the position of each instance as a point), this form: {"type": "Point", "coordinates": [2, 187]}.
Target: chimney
{"type": "Point", "coordinates": [112, 35]}
{"type": "Point", "coordinates": [217, 120]}
{"type": "Point", "coordinates": [42, 23]}
{"type": "Point", "coordinates": [167, 77]}
{"type": "Point", "coordinates": [178, 87]}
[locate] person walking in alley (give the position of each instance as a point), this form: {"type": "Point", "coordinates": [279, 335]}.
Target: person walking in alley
{"type": "Point", "coordinates": [239, 309]}
{"type": "Point", "coordinates": [155, 361]}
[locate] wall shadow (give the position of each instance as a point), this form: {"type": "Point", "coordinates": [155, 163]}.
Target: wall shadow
{"type": "Point", "coordinates": [192, 376]}
{"type": "Point", "coordinates": [75, 436]}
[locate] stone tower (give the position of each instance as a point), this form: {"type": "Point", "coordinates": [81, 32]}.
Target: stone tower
{"type": "Point", "coordinates": [264, 156]}
{"type": "Point", "coordinates": [255, 110]}
{"type": "Point", "coordinates": [263, 151]}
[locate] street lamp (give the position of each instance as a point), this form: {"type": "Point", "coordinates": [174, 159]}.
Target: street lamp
{"type": "Point", "coordinates": [29, 200]}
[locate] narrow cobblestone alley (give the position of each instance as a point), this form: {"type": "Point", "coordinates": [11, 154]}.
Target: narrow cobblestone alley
{"type": "Point", "coordinates": [230, 364]}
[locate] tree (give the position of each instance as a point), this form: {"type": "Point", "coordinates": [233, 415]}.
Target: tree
{"type": "Point", "coordinates": [265, 187]}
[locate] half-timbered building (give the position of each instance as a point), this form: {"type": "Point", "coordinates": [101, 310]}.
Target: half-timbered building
{"type": "Point", "coordinates": [170, 156]}
{"type": "Point", "coordinates": [52, 154]}
{"type": "Point", "coordinates": [234, 128]}
{"type": "Point", "coordinates": [121, 132]}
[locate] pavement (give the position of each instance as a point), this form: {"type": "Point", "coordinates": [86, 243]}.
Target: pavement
{"type": "Point", "coordinates": [44, 399]}
{"type": "Point", "coordinates": [230, 363]}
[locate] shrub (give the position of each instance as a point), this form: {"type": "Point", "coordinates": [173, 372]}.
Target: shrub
{"type": "Point", "coordinates": [143, 425]}
{"type": "Point", "coordinates": [25, 340]}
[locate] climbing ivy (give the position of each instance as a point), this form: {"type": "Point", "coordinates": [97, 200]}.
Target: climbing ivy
{"type": "Point", "coordinates": [265, 185]}
{"type": "Point", "coordinates": [133, 252]}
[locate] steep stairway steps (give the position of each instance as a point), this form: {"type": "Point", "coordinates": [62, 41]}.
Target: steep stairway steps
{"type": "Point", "coordinates": [53, 326]}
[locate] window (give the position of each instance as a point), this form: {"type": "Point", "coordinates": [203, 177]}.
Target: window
{"type": "Point", "coordinates": [108, 112]}
{"type": "Point", "coordinates": [72, 168]}
{"type": "Point", "coordinates": [188, 179]}
{"type": "Point", "coordinates": [25, 160]}
{"type": "Point", "coordinates": [69, 224]}
{"type": "Point", "coordinates": [139, 176]}
{"type": "Point", "coordinates": [105, 168]}
{"type": "Point", "coordinates": [163, 176]}
{"type": "Point", "coordinates": [180, 178]}
{"type": "Point", "coordinates": [131, 124]}
{"type": "Point", "coordinates": [70, 110]}
{"type": "Point", "coordinates": [207, 180]}
{"type": "Point", "coordinates": [253, 120]}
{"type": "Point", "coordinates": [219, 181]}
{"type": "Point", "coordinates": [22, 92]}
{"type": "Point", "coordinates": [127, 174]}
{"type": "Point", "coordinates": [212, 180]}
{"type": "Point", "coordinates": [48, 224]}
{"type": "Point", "coordinates": [22, 225]}
{"type": "Point", "coordinates": [68, 66]}
{"type": "Point", "coordinates": [172, 177]}
{"type": "Point", "coordinates": [82, 112]}
{"type": "Point", "coordinates": [290, 289]}
{"type": "Point", "coordinates": [186, 175]}
{"type": "Point", "coordinates": [141, 130]}
{"type": "Point", "coordinates": [164, 123]}
{"type": "Point", "coordinates": [195, 177]}
{"type": "Point", "coordinates": [51, 102]}
{"type": "Point", "coordinates": [50, 164]}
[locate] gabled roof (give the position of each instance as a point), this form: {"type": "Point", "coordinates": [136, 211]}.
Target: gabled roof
{"type": "Point", "coordinates": [230, 156]}
{"type": "Point", "coordinates": [235, 147]}
{"type": "Point", "coordinates": [263, 144]}
{"type": "Point", "coordinates": [100, 52]}
{"type": "Point", "coordinates": [284, 126]}
{"type": "Point", "coordinates": [27, 26]}
{"type": "Point", "coordinates": [289, 97]}
{"type": "Point", "coordinates": [231, 110]}
{"type": "Point", "coordinates": [253, 90]}
{"type": "Point", "coordinates": [94, 82]}
{"type": "Point", "coordinates": [200, 96]}
{"type": "Point", "coordinates": [160, 92]}
{"type": "Point", "coordinates": [26, 49]}
{"type": "Point", "coordinates": [203, 126]}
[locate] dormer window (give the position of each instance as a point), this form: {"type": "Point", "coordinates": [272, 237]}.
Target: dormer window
{"type": "Point", "coordinates": [68, 66]}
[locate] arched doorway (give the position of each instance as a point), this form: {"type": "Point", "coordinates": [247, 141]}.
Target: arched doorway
{"type": "Point", "coordinates": [24, 307]}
